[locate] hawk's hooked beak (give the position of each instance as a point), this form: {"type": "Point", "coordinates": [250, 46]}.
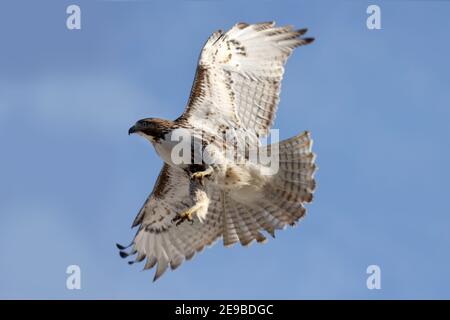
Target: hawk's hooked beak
{"type": "Point", "coordinates": [132, 130]}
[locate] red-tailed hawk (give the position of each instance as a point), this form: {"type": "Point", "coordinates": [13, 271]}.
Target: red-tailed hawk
{"type": "Point", "coordinates": [236, 90]}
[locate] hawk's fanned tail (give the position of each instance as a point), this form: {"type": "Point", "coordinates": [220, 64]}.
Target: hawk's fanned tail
{"type": "Point", "coordinates": [283, 197]}
{"type": "Point", "coordinates": [295, 178]}
{"type": "Point", "coordinates": [294, 183]}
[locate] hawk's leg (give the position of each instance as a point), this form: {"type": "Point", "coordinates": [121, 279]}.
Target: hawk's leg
{"type": "Point", "coordinates": [200, 199]}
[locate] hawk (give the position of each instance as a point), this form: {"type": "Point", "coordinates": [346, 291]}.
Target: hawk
{"type": "Point", "coordinates": [236, 89]}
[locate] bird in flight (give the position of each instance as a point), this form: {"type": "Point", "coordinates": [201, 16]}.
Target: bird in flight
{"type": "Point", "coordinates": [211, 186]}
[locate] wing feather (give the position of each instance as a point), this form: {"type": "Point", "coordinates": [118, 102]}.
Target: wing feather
{"type": "Point", "coordinates": [161, 241]}
{"type": "Point", "coordinates": [166, 245]}
{"type": "Point", "coordinates": [239, 75]}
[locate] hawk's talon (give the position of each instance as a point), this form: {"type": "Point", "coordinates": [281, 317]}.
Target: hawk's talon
{"type": "Point", "coordinates": [180, 218]}
{"type": "Point", "coordinates": [200, 175]}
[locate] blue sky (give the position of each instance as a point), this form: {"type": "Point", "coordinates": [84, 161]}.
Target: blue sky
{"type": "Point", "coordinates": [376, 102]}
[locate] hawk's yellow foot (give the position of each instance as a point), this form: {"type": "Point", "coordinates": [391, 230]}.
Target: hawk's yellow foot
{"type": "Point", "coordinates": [186, 215]}
{"type": "Point", "coordinates": [200, 175]}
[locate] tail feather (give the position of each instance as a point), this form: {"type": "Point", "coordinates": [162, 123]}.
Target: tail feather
{"type": "Point", "coordinates": [250, 224]}
{"type": "Point", "coordinates": [282, 199]}
{"type": "Point", "coordinates": [242, 231]}
{"type": "Point", "coordinates": [246, 227]}
{"type": "Point", "coordinates": [230, 236]}
{"type": "Point", "coordinates": [294, 182]}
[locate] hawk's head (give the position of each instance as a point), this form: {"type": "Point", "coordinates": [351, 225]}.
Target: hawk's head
{"type": "Point", "coordinates": [153, 129]}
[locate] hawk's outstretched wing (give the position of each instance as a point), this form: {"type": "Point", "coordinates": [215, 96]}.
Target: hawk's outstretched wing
{"type": "Point", "coordinates": [237, 83]}
{"type": "Point", "coordinates": [162, 241]}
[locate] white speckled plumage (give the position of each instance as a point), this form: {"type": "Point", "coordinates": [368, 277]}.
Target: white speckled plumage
{"type": "Point", "coordinates": [237, 86]}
